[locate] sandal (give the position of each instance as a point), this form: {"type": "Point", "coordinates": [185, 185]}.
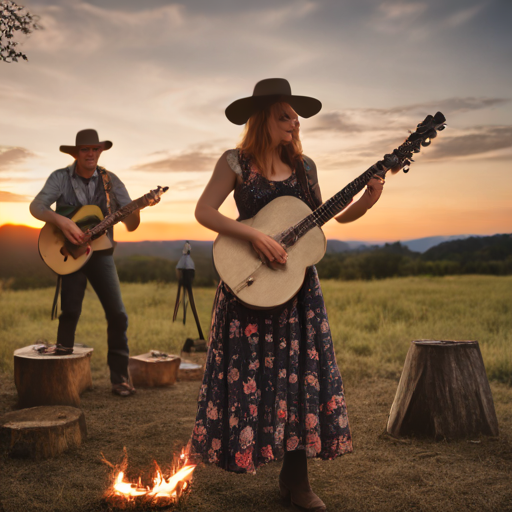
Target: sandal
{"type": "Point", "coordinates": [123, 389]}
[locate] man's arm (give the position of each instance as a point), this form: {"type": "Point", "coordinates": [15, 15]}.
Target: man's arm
{"type": "Point", "coordinates": [123, 198]}
{"type": "Point", "coordinates": [40, 209]}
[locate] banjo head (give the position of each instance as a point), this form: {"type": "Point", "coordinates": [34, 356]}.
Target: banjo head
{"type": "Point", "coordinates": [237, 262]}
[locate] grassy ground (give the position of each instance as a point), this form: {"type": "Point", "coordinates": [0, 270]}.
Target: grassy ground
{"type": "Point", "coordinates": [372, 324]}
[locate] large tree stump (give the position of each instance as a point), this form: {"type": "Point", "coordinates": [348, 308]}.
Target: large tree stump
{"type": "Point", "coordinates": [42, 432]}
{"type": "Point", "coordinates": [45, 379]}
{"type": "Point", "coordinates": [154, 369]}
{"type": "Point", "coordinates": [443, 393]}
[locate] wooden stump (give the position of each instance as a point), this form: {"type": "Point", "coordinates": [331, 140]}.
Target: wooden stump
{"type": "Point", "coordinates": [192, 365]}
{"type": "Point", "coordinates": [45, 379]}
{"type": "Point", "coordinates": [42, 432]}
{"type": "Point", "coordinates": [150, 370]}
{"type": "Point", "coordinates": [443, 393]}
{"type": "Point", "coordinates": [190, 371]}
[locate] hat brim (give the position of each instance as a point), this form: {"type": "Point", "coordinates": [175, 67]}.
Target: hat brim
{"type": "Point", "coordinates": [241, 110]}
{"type": "Point", "coordinates": [71, 150]}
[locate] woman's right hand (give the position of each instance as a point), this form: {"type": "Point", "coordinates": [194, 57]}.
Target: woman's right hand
{"type": "Point", "coordinates": [269, 251]}
{"type": "Point", "coordinates": [71, 231]}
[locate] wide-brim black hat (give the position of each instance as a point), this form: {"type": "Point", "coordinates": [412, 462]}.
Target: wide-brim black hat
{"type": "Point", "coordinates": [269, 91]}
{"type": "Point", "coordinates": [87, 137]}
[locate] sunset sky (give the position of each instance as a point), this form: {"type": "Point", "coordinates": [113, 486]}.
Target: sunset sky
{"type": "Point", "coordinates": [155, 76]}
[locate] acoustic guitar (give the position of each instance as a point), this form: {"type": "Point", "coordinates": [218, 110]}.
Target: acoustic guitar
{"type": "Point", "coordinates": [64, 257]}
{"type": "Point", "coordinates": [292, 223]}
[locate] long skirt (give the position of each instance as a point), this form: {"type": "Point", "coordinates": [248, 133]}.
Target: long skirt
{"type": "Point", "coordinates": [271, 383]}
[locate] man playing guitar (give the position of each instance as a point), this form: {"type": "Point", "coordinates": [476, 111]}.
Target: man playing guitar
{"type": "Point", "coordinates": [85, 183]}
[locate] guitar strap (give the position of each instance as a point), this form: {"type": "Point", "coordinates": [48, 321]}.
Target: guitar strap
{"type": "Point", "coordinates": [300, 171]}
{"type": "Point", "coordinates": [107, 186]}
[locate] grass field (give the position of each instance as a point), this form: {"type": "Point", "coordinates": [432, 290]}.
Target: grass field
{"type": "Point", "coordinates": [372, 324]}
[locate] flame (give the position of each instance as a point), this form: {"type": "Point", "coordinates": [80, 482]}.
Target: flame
{"type": "Point", "coordinates": [164, 491]}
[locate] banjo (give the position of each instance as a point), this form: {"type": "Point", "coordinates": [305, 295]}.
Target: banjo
{"type": "Point", "coordinates": [64, 257]}
{"type": "Point", "coordinates": [291, 222]}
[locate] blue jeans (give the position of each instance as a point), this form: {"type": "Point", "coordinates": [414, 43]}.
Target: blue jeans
{"type": "Point", "coordinates": [101, 272]}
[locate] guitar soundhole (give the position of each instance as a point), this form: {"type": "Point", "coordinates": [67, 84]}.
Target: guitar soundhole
{"type": "Point", "coordinates": [63, 254]}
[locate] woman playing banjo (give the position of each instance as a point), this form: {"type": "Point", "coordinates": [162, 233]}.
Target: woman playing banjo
{"type": "Point", "coordinates": [272, 389]}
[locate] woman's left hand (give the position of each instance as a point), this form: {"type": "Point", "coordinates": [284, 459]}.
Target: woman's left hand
{"type": "Point", "coordinates": [374, 190]}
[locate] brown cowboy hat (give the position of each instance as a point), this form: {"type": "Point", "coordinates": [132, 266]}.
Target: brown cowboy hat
{"type": "Point", "coordinates": [87, 137]}
{"type": "Point", "coordinates": [269, 91]}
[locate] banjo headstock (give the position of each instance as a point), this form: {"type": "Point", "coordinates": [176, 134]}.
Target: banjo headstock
{"type": "Point", "coordinates": [401, 157]}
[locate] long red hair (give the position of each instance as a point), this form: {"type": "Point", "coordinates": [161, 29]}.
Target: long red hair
{"type": "Point", "coordinates": [257, 142]}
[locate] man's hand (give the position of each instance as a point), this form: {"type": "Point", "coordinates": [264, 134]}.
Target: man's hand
{"type": "Point", "coordinates": [71, 231]}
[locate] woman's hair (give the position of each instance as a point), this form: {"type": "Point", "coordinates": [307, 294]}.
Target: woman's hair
{"type": "Point", "coordinates": [257, 141]}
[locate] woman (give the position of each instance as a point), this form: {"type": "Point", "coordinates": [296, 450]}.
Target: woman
{"type": "Point", "coordinates": [271, 388]}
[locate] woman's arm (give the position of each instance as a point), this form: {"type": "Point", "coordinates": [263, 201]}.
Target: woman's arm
{"type": "Point", "coordinates": [207, 213]}
{"type": "Point", "coordinates": [363, 204]}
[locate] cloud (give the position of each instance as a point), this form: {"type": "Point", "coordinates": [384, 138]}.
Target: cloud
{"type": "Point", "coordinates": [10, 156]}
{"type": "Point", "coordinates": [192, 161]}
{"type": "Point", "coordinates": [462, 16]}
{"type": "Point", "coordinates": [483, 140]}
{"type": "Point", "coordinates": [401, 117]}
{"type": "Point", "coordinates": [9, 197]}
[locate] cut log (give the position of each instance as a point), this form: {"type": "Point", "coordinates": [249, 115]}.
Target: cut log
{"type": "Point", "coordinates": [443, 393]}
{"type": "Point", "coordinates": [190, 371]}
{"type": "Point", "coordinates": [45, 379]}
{"type": "Point", "coordinates": [154, 369]}
{"type": "Point", "coordinates": [42, 432]}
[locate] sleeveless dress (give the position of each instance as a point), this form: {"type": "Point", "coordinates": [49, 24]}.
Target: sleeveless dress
{"type": "Point", "coordinates": [271, 382]}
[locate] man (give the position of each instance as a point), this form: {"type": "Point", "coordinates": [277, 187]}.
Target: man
{"type": "Point", "coordinates": [79, 184]}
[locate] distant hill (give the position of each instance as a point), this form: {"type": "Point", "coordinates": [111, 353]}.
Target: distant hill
{"type": "Point", "coordinates": [424, 244]}
{"type": "Point", "coordinates": [416, 245]}
{"type": "Point", "coordinates": [169, 249]}
{"type": "Point", "coordinates": [20, 260]}
{"type": "Point", "coordinates": [473, 249]}
{"type": "Point", "coordinates": [22, 267]}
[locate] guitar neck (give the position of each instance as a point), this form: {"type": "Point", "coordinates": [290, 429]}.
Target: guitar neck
{"type": "Point", "coordinates": [398, 159]}
{"type": "Point", "coordinates": [138, 204]}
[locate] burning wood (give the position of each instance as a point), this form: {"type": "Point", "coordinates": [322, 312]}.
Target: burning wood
{"type": "Point", "coordinates": [164, 491]}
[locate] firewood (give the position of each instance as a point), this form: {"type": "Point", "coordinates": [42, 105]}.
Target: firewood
{"type": "Point", "coordinates": [443, 393]}
{"type": "Point", "coordinates": [42, 432]}
{"type": "Point", "coordinates": [45, 379]}
{"type": "Point", "coordinates": [154, 369]}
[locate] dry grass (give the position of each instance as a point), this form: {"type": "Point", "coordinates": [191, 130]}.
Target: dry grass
{"type": "Point", "coordinates": [372, 323]}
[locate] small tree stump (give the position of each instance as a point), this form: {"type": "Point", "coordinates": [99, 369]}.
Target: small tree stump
{"type": "Point", "coordinates": [45, 379]}
{"type": "Point", "coordinates": [443, 392]}
{"type": "Point", "coordinates": [190, 370]}
{"type": "Point", "coordinates": [154, 369]}
{"type": "Point", "coordinates": [42, 432]}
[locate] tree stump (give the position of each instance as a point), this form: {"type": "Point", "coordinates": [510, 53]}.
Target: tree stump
{"type": "Point", "coordinates": [46, 379]}
{"type": "Point", "coordinates": [443, 393]}
{"type": "Point", "coordinates": [190, 371]}
{"type": "Point", "coordinates": [42, 432]}
{"type": "Point", "coordinates": [154, 369]}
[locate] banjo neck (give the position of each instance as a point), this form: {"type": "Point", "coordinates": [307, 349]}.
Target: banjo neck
{"type": "Point", "coordinates": [400, 158]}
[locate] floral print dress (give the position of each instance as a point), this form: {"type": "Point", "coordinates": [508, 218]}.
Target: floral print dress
{"type": "Point", "coordinates": [271, 382]}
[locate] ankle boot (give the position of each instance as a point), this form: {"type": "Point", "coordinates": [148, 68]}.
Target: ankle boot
{"type": "Point", "coordinates": [294, 483]}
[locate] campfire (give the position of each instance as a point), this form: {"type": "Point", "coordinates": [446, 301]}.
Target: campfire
{"type": "Point", "coordinates": [165, 488]}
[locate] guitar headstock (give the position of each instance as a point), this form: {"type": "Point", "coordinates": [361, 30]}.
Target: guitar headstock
{"type": "Point", "coordinates": [153, 197]}
{"type": "Point", "coordinates": [401, 157]}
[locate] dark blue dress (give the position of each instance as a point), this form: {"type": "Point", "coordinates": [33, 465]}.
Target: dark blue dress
{"type": "Point", "coordinates": [271, 382]}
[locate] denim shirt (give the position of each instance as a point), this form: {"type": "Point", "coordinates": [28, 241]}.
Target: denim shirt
{"type": "Point", "coordinates": [65, 188]}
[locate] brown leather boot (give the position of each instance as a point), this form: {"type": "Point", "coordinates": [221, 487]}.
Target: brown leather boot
{"type": "Point", "coordinates": [294, 483]}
